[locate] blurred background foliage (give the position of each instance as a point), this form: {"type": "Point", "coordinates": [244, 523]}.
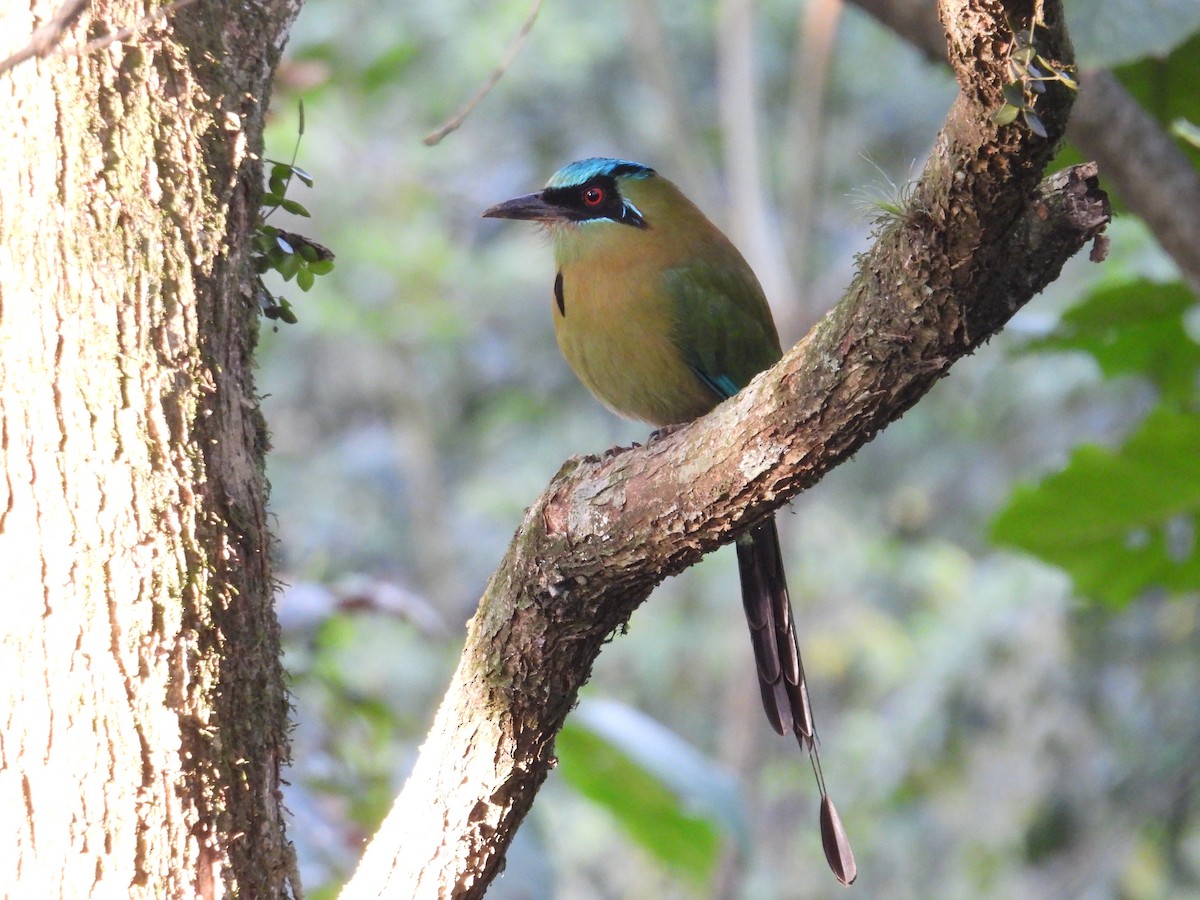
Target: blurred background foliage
{"type": "Point", "coordinates": [997, 597]}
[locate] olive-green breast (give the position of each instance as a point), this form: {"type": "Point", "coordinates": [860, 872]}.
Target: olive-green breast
{"type": "Point", "coordinates": [660, 323]}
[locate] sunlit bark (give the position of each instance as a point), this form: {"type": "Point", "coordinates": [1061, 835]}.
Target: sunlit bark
{"type": "Point", "coordinates": [142, 707]}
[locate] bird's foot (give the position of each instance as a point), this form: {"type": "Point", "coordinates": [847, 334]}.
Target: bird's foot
{"type": "Point", "coordinates": [659, 433]}
{"type": "Point", "coordinates": [618, 450]}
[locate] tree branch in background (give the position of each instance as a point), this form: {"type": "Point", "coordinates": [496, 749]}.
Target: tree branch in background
{"type": "Point", "coordinates": [805, 129]}
{"type": "Point", "coordinates": [653, 55]}
{"type": "Point", "coordinates": [452, 124]}
{"type": "Point", "coordinates": [1137, 156]}
{"type": "Point", "coordinates": [914, 20]}
{"type": "Point", "coordinates": [981, 236]}
{"type": "Point", "coordinates": [738, 108]}
{"type": "Point", "coordinates": [1145, 165]}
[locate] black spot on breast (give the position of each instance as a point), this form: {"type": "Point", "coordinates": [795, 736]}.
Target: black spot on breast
{"type": "Point", "coordinates": [558, 295]}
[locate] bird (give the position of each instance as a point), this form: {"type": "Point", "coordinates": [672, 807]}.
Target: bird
{"type": "Point", "coordinates": [662, 319]}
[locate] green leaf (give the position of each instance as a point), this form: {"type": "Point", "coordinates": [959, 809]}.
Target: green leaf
{"type": "Point", "coordinates": [663, 792]}
{"type": "Point", "coordinates": [1067, 78]}
{"type": "Point", "coordinates": [305, 279]}
{"type": "Point", "coordinates": [1024, 52]}
{"type": "Point", "coordinates": [1031, 119]}
{"type": "Point", "coordinates": [1006, 114]}
{"type": "Point", "coordinates": [286, 314]}
{"type": "Point", "coordinates": [280, 311]}
{"type": "Point", "coordinates": [289, 266]}
{"type": "Point", "coordinates": [264, 238]}
{"type": "Point", "coordinates": [1167, 87]}
{"type": "Point", "coordinates": [1135, 328]}
{"type": "Point", "coordinates": [1014, 94]}
{"type": "Point", "coordinates": [295, 208]}
{"type": "Point", "coordinates": [321, 267]}
{"type": "Point", "coordinates": [281, 174]}
{"type": "Point", "coordinates": [1118, 521]}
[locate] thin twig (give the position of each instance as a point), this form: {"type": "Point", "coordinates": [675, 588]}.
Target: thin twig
{"type": "Point", "coordinates": [435, 137]}
{"type": "Point", "coordinates": [46, 38]}
{"type": "Point", "coordinates": [124, 34]}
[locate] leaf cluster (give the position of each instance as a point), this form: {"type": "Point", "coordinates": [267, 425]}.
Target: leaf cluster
{"type": "Point", "coordinates": [289, 254]}
{"type": "Point", "coordinates": [1030, 71]}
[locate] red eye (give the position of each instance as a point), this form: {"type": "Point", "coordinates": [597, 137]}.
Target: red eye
{"type": "Point", "coordinates": [593, 196]}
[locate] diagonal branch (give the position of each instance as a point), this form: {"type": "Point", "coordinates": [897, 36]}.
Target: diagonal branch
{"type": "Point", "coordinates": [981, 236]}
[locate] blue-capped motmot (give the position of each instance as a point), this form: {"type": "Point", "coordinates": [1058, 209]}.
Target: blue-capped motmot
{"type": "Point", "coordinates": [662, 319]}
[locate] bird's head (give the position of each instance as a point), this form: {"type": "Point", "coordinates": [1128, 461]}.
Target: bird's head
{"type": "Point", "coordinates": [584, 192]}
{"type": "Point", "coordinates": [602, 209]}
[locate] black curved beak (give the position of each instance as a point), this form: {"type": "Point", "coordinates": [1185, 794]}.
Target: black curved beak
{"type": "Point", "coordinates": [527, 206]}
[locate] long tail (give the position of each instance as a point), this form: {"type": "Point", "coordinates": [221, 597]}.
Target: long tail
{"type": "Point", "coordinates": [781, 672]}
{"type": "Point", "coordinates": [769, 614]}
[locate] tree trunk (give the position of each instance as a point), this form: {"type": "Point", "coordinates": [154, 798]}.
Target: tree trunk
{"type": "Point", "coordinates": [142, 713]}
{"type": "Point", "coordinates": [978, 237]}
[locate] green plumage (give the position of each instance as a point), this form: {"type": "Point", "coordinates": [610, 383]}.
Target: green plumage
{"type": "Point", "coordinates": [660, 322]}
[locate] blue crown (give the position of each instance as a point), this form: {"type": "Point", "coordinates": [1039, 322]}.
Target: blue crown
{"type": "Point", "coordinates": [584, 170]}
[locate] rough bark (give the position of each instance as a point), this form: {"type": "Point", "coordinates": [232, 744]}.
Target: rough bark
{"type": "Point", "coordinates": [142, 712]}
{"type": "Point", "coordinates": [979, 238]}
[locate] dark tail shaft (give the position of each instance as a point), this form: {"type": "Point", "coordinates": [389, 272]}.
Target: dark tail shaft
{"type": "Point", "coordinates": [781, 673]}
{"type": "Point", "coordinates": [769, 613]}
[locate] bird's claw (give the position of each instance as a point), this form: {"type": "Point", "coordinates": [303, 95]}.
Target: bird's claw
{"type": "Point", "coordinates": [618, 450]}
{"type": "Point", "coordinates": [666, 431]}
